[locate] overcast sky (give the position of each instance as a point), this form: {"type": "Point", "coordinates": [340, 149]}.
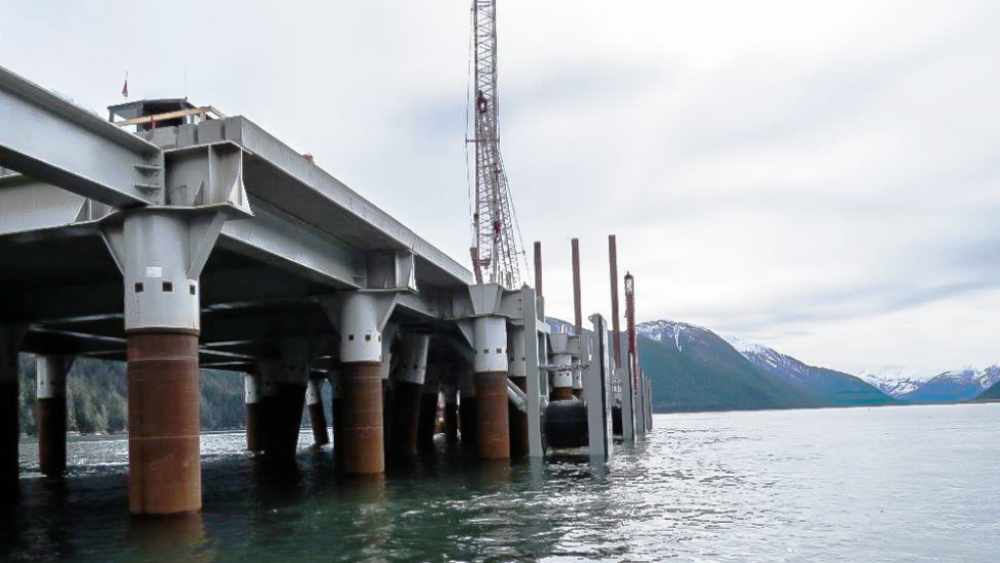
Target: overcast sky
{"type": "Point", "coordinates": [818, 177]}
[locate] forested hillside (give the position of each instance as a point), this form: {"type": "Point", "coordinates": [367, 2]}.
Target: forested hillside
{"type": "Point", "coordinates": [97, 398]}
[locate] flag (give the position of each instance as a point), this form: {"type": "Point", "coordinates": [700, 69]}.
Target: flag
{"type": "Point", "coordinates": [125, 87]}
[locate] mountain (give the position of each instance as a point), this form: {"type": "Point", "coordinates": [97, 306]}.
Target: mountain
{"type": "Point", "coordinates": [693, 369]}
{"type": "Point", "coordinates": [894, 381]}
{"type": "Point", "coordinates": [952, 386]}
{"type": "Point", "coordinates": [828, 385]}
{"type": "Point", "coordinates": [993, 393]}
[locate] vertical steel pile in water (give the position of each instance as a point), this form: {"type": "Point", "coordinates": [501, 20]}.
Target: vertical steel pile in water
{"type": "Point", "coordinates": [361, 383]}
{"type": "Point", "coordinates": [337, 408]}
{"type": "Point", "coordinates": [492, 430]}
{"type": "Point", "coordinates": [450, 414]}
{"type": "Point", "coordinates": [163, 395]}
{"type": "Point", "coordinates": [518, 375]}
{"type": "Point", "coordinates": [50, 372]}
{"type": "Point", "coordinates": [493, 434]}
{"type": "Point", "coordinates": [427, 423]}
{"type": "Point", "coordinates": [615, 322]}
{"type": "Point", "coordinates": [10, 433]}
{"type": "Point", "coordinates": [467, 409]}
{"type": "Point", "coordinates": [284, 383]}
{"type": "Point", "coordinates": [577, 390]}
{"type": "Point", "coordinates": [254, 412]}
{"type": "Point", "coordinates": [317, 417]}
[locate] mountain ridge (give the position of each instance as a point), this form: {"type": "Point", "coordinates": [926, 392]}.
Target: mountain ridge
{"type": "Point", "coordinates": [842, 389]}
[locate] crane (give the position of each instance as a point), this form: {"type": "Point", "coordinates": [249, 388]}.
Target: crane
{"type": "Point", "coordinates": [495, 251]}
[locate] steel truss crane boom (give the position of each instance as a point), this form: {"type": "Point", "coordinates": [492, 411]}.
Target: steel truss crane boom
{"type": "Point", "coordinates": [495, 250]}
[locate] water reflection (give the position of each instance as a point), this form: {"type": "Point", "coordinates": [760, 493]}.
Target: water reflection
{"type": "Point", "coordinates": [10, 536]}
{"type": "Point", "coordinates": [734, 486]}
{"type": "Point", "coordinates": [492, 474]}
{"type": "Point", "coordinates": [173, 538]}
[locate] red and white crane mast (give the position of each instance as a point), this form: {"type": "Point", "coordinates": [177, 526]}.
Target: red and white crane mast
{"type": "Point", "coordinates": [495, 251]}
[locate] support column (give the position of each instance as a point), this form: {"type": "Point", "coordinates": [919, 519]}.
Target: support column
{"type": "Point", "coordinates": [640, 401]}
{"type": "Point", "coordinates": [467, 409]}
{"type": "Point", "coordinates": [164, 423]}
{"type": "Point", "coordinates": [389, 363]}
{"type": "Point", "coordinates": [518, 376]}
{"type": "Point", "coordinates": [562, 378]}
{"type": "Point", "coordinates": [161, 254]}
{"type": "Point", "coordinates": [252, 397]}
{"type": "Point", "coordinates": [337, 410]}
{"type": "Point", "coordinates": [429, 409]}
{"type": "Point", "coordinates": [50, 374]}
{"type": "Point", "coordinates": [10, 431]}
{"type": "Point", "coordinates": [492, 422]}
{"type": "Point", "coordinates": [361, 345]}
{"type": "Point", "coordinates": [450, 413]}
{"type": "Point", "coordinates": [317, 417]}
{"type": "Point", "coordinates": [597, 382]}
{"type": "Point", "coordinates": [649, 404]}
{"type": "Point", "coordinates": [407, 388]}
{"type": "Point", "coordinates": [577, 381]}
{"type": "Point", "coordinates": [577, 320]}
{"type": "Point", "coordinates": [284, 383]}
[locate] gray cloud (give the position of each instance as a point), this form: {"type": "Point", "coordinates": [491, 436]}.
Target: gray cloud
{"type": "Point", "coordinates": [818, 176]}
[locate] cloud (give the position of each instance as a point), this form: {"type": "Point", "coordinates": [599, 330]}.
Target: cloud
{"type": "Point", "coordinates": [820, 176]}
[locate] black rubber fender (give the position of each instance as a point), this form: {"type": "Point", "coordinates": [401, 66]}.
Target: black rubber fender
{"type": "Point", "coordinates": [565, 424]}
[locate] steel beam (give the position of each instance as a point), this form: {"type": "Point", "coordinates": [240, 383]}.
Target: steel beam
{"type": "Point", "coordinates": [277, 238]}
{"type": "Point", "coordinates": [281, 176]}
{"type": "Point", "coordinates": [29, 205]}
{"type": "Point", "coordinates": [51, 139]}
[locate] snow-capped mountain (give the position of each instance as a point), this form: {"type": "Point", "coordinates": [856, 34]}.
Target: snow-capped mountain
{"type": "Point", "coordinates": [827, 384]}
{"type": "Point", "coordinates": [950, 386]}
{"type": "Point", "coordinates": [957, 385]}
{"type": "Point", "coordinates": [666, 331]}
{"type": "Point", "coordinates": [893, 380]}
{"type": "Point", "coordinates": [693, 369]}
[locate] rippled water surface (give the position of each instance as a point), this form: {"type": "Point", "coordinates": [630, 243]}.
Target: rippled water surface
{"type": "Point", "coordinates": [888, 484]}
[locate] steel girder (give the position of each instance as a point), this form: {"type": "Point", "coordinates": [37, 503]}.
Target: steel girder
{"type": "Point", "coordinates": [51, 139]}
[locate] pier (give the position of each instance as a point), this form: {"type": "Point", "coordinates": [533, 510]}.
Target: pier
{"type": "Point", "coordinates": [175, 238]}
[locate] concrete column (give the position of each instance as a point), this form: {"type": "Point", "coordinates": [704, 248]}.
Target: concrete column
{"type": "Point", "coordinates": [562, 378]}
{"type": "Point", "coordinates": [361, 357]}
{"type": "Point", "coordinates": [10, 432]}
{"type": "Point", "coordinates": [50, 374]}
{"type": "Point", "coordinates": [317, 417]}
{"type": "Point", "coordinates": [519, 376]}
{"type": "Point", "coordinates": [491, 368]}
{"type": "Point", "coordinates": [252, 398]}
{"type": "Point", "coordinates": [407, 389]}
{"type": "Point", "coordinates": [450, 391]}
{"type": "Point", "coordinates": [284, 382]}
{"type": "Point", "coordinates": [161, 255]}
{"type": "Point", "coordinates": [467, 409]}
{"type": "Point", "coordinates": [429, 409]}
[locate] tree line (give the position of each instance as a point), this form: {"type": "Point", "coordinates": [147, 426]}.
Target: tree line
{"type": "Point", "coordinates": [97, 398]}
